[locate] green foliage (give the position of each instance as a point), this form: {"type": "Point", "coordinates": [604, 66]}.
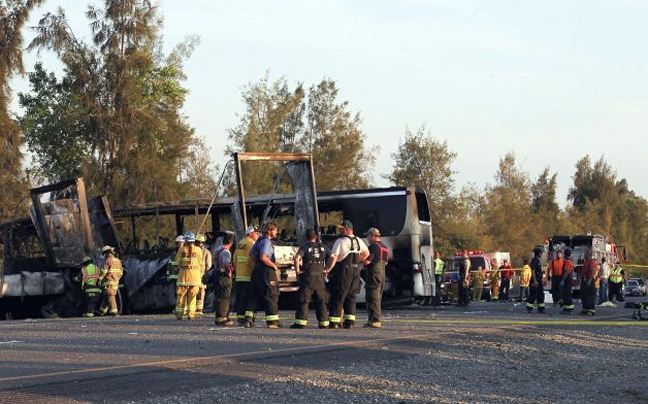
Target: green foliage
{"type": "Point", "coordinates": [115, 116]}
{"type": "Point", "coordinates": [271, 123]}
{"type": "Point", "coordinates": [426, 162]}
{"type": "Point", "coordinates": [278, 119]}
{"type": "Point", "coordinates": [334, 138]}
{"type": "Point", "coordinates": [13, 16]}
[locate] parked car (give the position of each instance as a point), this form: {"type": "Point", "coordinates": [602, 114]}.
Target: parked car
{"type": "Point", "coordinates": [634, 288]}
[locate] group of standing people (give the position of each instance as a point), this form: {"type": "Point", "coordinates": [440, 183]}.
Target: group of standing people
{"type": "Point", "coordinates": [598, 282]}
{"type": "Point", "coordinates": [100, 285]}
{"type": "Point", "coordinates": [256, 277]}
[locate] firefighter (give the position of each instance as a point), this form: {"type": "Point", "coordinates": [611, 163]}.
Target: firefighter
{"type": "Point", "coordinates": [615, 283]}
{"type": "Point", "coordinates": [494, 278]}
{"type": "Point", "coordinates": [505, 284]}
{"type": "Point", "coordinates": [310, 263]}
{"type": "Point", "coordinates": [205, 265]}
{"type": "Point", "coordinates": [375, 266]}
{"type": "Point", "coordinates": [172, 268]}
{"type": "Point", "coordinates": [438, 274]}
{"type": "Point", "coordinates": [243, 266]}
{"type": "Point", "coordinates": [567, 303]}
{"type": "Point", "coordinates": [221, 278]}
{"type": "Point", "coordinates": [189, 279]}
{"type": "Point", "coordinates": [478, 284]}
{"type": "Point", "coordinates": [89, 278]}
{"type": "Point", "coordinates": [111, 273]}
{"type": "Point", "coordinates": [555, 272]}
{"type": "Point", "coordinates": [265, 280]}
{"type": "Point", "coordinates": [536, 292]}
{"type": "Point", "coordinates": [589, 273]}
{"type": "Point", "coordinates": [525, 279]}
{"type": "Point", "coordinates": [464, 280]}
{"type": "Point", "coordinates": [344, 275]}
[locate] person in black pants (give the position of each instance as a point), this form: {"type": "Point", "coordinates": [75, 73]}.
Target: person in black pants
{"type": "Point", "coordinates": [310, 263]}
{"type": "Point", "coordinates": [536, 291]}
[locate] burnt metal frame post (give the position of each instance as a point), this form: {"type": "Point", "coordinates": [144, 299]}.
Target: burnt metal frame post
{"type": "Point", "coordinates": [280, 157]}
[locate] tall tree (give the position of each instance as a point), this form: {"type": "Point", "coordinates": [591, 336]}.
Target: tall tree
{"type": "Point", "coordinates": [280, 119]}
{"type": "Point", "coordinates": [425, 161]}
{"type": "Point", "coordinates": [271, 123]}
{"type": "Point", "coordinates": [335, 139]}
{"type": "Point", "coordinates": [508, 214]}
{"type": "Point", "coordinates": [116, 115]}
{"type": "Point", "coordinates": [13, 16]}
{"type": "Point", "coordinates": [543, 203]}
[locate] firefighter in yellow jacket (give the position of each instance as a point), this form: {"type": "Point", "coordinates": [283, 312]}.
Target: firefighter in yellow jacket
{"type": "Point", "coordinates": [494, 277]}
{"type": "Point", "coordinates": [205, 265]}
{"type": "Point", "coordinates": [111, 273]}
{"type": "Point", "coordinates": [243, 266]}
{"type": "Point", "coordinates": [189, 277]}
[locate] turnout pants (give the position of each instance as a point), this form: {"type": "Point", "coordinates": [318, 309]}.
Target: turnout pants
{"type": "Point", "coordinates": [567, 303]}
{"type": "Point", "coordinates": [588, 292]}
{"type": "Point", "coordinates": [200, 299]}
{"type": "Point", "coordinates": [186, 301]}
{"type": "Point", "coordinates": [437, 282]}
{"type": "Point", "coordinates": [615, 290]}
{"type": "Point", "coordinates": [223, 297]}
{"type": "Point", "coordinates": [536, 295]}
{"type": "Point", "coordinates": [312, 285]}
{"type": "Point", "coordinates": [374, 287]}
{"type": "Point", "coordinates": [556, 292]}
{"type": "Point", "coordinates": [494, 289]}
{"type": "Point", "coordinates": [242, 292]}
{"type": "Point", "coordinates": [109, 302]}
{"type": "Point", "coordinates": [344, 285]}
{"type": "Point", "coordinates": [92, 303]}
{"type": "Point", "coordinates": [505, 287]}
{"type": "Point", "coordinates": [463, 292]}
{"type": "Point", "coordinates": [264, 291]}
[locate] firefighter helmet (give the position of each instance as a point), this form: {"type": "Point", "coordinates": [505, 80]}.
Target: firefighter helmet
{"type": "Point", "coordinates": [201, 238]}
{"type": "Point", "coordinates": [87, 259]}
{"type": "Point", "coordinates": [189, 237]}
{"type": "Point", "coordinates": [180, 239]}
{"type": "Point", "coordinates": [107, 248]}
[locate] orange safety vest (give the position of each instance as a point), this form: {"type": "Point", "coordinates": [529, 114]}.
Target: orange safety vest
{"type": "Point", "coordinates": [556, 267]}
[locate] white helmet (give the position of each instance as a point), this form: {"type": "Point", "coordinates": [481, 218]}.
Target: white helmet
{"type": "Point", "coordinates": [180, 238]}
{"type": "Point", "coordinates": [107, 248]}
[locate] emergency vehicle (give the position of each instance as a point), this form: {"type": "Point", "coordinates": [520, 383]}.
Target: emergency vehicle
{"type": "Point", "coordinates": [477, 259]}
{"type": "Point", "coordinates": [580, 245]}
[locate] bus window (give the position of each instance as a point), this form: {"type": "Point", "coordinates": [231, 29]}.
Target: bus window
{"type": "Point", "coordinates": [386, 213]}
{"type": "Point", "coordinates": [422, 205]}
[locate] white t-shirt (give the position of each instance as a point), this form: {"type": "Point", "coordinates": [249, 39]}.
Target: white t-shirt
{"type": "Point", "coordinates": [342, 247]}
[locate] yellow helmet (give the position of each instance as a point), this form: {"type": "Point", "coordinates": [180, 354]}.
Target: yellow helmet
{"type": "Point", "coordinates": [201, 238]}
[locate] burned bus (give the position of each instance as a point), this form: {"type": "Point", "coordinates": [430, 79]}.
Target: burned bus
{"type": "Point", "coordinates": [401, 214]}
{"type": "Point", "coordinates": [43, 253]}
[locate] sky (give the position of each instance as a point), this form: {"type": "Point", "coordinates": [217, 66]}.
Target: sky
{"type": "Point", "coordinates": [550, 81]}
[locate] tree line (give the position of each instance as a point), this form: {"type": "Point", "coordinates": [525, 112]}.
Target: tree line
{"type": "Point", "coordinates": [115, 117]}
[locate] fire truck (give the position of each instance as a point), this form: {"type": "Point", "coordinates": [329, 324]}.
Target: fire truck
{"type": "Point", "coordinates": [581, 245]}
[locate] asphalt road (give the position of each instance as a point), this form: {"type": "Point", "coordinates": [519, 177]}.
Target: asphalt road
{"type": "Point", "coordinates": [444, 354]}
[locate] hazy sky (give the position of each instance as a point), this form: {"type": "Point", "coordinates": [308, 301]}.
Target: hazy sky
{"type": "Point", "coordinates": [551, 81]}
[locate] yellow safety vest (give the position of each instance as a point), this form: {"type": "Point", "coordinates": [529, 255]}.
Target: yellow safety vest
{"type": "Point", "coordinates": [438, 266]}
{"type": "Point", "coordinates": [242, 262]}
{"type": "Point", "coordinates": [615, 275]}
{"type": "Point", "coordinates": [90, 279]}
